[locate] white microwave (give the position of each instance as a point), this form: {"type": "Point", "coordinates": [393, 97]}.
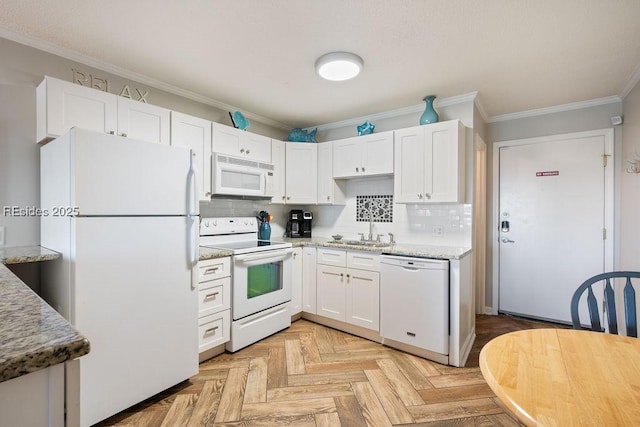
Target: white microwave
{"type": "Point", "coordinates": [233, 176]}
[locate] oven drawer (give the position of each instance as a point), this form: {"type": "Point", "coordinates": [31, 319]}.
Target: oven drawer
{"type": "Point", "coordinates": [214, 330]}
{"type": "Point", "coordinates": [214, 296]}
{"type": "Point", "coordinates": [335, 257]}
{"type": "Point", "coordinates": [212, 269]}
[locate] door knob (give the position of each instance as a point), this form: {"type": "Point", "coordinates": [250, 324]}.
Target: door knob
{"type": "Point", "coordinates": [507, 241]}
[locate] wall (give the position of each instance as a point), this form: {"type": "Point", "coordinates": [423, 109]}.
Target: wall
{"type": "Point", "coordinates": [630, 184]}
{"type": "Point", "coordinates": [22, 68]}
{"type": "Point", "coordinates": [575, 120]}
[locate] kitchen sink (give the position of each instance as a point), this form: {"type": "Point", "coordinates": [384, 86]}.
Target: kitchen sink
{"type": "Point", "coordinates": [367, 243]}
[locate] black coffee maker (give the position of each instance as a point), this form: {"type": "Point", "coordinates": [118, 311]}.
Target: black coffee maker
{"type": "Point", "coordinates": [306, 224]}
{"type": "Point", "coordinates": [295, 225]}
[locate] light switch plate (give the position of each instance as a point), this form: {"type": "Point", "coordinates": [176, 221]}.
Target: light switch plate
{"type": "Point", "coordinates": [2, 228]}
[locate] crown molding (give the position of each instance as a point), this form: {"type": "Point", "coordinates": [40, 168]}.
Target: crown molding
{"type": "Point", "coordinates": [556, 109]}
{"type": "Point", "coordinates": [131, 75]}
{"type": "Point", "coordinates": [480, 107]}
{"type": "Point", "coordinates": [633, 81]}
{"type": "Point", "coordinates": [444, 102]}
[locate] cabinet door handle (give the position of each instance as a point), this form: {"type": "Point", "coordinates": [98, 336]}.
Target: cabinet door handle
{"type": "Point", "coordinates": [111, 132]}
{"type": "Point", "coordinates": [363, 169]}
{"type": "Point", "coordinates": [357, 169]}
{"type": "Point", "coordinates": [242, 150]}
{"type": "Point", "coordinates": [283, 197]}
{"type": "Point", "coordinates": [208, 331]}
{"type": "Point", "coordinates": [211, 270]}
{"type": "Point", "coordinates": [123, 134]}
{"type": "Point", "coordinates": [419, 195]}
{"type": "Point", "coordinates": [288, 197]}
{"type": "Point", "coordinates": [213, 295]}
{"type": "Point", "coordinates": [428, 196]}
{"type": "Point", "coordinates": [248, 151]}
{"type": "Point", "coordinates": [328, 197]}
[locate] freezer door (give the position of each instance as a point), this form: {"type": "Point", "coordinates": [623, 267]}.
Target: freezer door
{"type": "Point", "coordinates": [134, 301]}
{"type": "Point", "coordinates": [113, 175]}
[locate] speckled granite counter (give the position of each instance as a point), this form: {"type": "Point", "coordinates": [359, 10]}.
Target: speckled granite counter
{"type": "Point", "coordinates": [33, 335]}
{"type": "Point", "coordinates": [423, 251]}
{"type": "Point", "coordinates": [210, 253]}
{"type": "Point", "coordinates": [23, 254]}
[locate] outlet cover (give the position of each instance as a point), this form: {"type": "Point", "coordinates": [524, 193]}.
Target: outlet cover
{"type": "Point", "coordinates": [437, 231]}
{"type": "Point", "coordinates": [2, 230]}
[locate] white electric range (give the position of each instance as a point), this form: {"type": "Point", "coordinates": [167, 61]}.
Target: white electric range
{"type": "Point", "coordinates": [261, 278]}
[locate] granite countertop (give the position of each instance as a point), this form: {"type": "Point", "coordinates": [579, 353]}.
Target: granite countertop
{"type": "Point", "coordinates": [210, 253]}
{"type": "Point", "coordinates": [24, 254]}
{"type": "Point", "coordinates": [33, 335]}
{"type": "Point", "coordinates": [422, 251]}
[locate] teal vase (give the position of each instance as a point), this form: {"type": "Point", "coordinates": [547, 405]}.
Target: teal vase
{"type": "Point", "coordinates": [429, 115]}
{"type": "Point", "coordinates": [264, 231]}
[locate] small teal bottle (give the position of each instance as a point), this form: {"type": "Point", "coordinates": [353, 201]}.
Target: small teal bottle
{"type": "Point", "coordinates": [429, 115]}
{"type": "Point", "coordinates": [264, 231]}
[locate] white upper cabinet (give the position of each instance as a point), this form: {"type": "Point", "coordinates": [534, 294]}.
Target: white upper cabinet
{"type": "Point", "coordinates": [278, 157]}
{"type": "Point", "coordinates": [240, 143]}
{"type": "Point", "coordinates": [430, 163]}
{"type": "Point", "coordinates": [365, 155]}
{"type": "Point", "coordinates": [301, 173]}
{"type": "Point", "coordinates": [195, 133]}
{"type": "Point", "coordinates": [144, 122]}
{"type": "Point", "coordinates": [62, 105]}
{"type": "Point", "coordinates": [330, 192]}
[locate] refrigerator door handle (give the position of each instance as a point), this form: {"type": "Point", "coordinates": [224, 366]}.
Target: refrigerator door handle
{"type": "Point", "coordinates": [193, 221]}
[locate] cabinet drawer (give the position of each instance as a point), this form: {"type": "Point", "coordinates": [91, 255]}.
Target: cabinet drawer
{"type": "Point", "coordinates": [214, 296]}
{"type": "Point", "coordinates": [332, 257]}
{"type": "Point", "coordinates": [212, 269]}
{"type": "Point", "coordinates": [363, 261]}
{"type": "Point", "coordinates": [214, 330]}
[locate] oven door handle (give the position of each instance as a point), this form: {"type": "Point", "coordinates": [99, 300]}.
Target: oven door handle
{"type": "Point", "coordinates": [264, 257]}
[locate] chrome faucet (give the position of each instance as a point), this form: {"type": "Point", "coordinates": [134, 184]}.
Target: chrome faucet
{"type": "Point", "coordinates": [370, 225]}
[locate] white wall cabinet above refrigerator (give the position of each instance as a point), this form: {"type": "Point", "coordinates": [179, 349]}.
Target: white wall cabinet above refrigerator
{"type": "Point", "coordinates": [61, 105]}
{"type": "Point", "coordinates": [430, 163]}
{"type": "Point", "coordinates": [365, 155]}
{"type": "Point", "coordinates": [195, 133]}
{"type": "Point", "coordinates": [240, 143]}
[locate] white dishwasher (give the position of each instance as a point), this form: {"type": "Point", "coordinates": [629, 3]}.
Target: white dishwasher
{"type": "Point", "coordinates": [414, 302]}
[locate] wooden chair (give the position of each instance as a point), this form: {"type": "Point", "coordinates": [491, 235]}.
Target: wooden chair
{"type": "Point", "coordinates": [629, 294]}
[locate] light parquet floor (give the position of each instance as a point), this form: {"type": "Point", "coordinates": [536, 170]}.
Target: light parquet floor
{"type": "Point", "coordinates": [312, 375]}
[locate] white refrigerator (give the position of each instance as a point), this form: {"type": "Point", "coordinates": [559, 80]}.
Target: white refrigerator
{"type": "Point", "coordinates": [124, 215]}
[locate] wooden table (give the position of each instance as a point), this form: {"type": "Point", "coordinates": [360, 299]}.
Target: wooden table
{"type": "Point", "coordinates": [565, 377]}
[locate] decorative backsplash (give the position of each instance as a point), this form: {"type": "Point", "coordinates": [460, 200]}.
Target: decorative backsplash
{"type": "Point", "coordinates": [378, 207]}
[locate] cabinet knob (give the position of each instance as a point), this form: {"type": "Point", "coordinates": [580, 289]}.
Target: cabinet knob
{"type": "Point", "coordinates": [248, 151]}
{"type": "Point", "coordinates": [242, 150]}
{"type": "Point", "coordinates": [357, 169]}
{"type": "Point", "coordinates": [419, 195]}
{"type": "Point", "coordinates": [288, 197]}
{"type": "Point", "coordinates": [123, 134]}
{"type": "Point", "coordinates": [111, 132]}
{"type": "Point", "coordinates": [428, 196]}
{"type": "Point", "coordinates": [283, 197]}
{"type": "Point", "coordinates": [362, 169]}
{"type": "Point", "coordinates": [328, 197]}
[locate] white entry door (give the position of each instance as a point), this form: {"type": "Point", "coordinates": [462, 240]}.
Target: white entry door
{"type": "Point", "coordinates": [555, 204]}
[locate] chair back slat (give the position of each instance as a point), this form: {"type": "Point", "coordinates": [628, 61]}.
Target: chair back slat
{"type": "Point", "coordinates": [592, 303]}
{"type": "Point", "coordinates": [630, 309]}
{"type": "Point", "coordinates": [610, 304]}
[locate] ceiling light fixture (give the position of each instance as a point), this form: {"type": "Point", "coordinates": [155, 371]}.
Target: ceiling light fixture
{"type": "Point", "coordinates": [339, 66]}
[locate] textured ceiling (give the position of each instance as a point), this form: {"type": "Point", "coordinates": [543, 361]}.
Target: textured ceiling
{"type": "Point", "coordinates": [258, 55]}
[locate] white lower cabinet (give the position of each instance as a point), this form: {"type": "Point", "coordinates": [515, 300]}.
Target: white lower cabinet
{"type": "Point", "coordinates": [348, 287]}
{"type": "Point", "coordinates": [309, 259]}
{"type": "Point", "coordinates": [214, 303]}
